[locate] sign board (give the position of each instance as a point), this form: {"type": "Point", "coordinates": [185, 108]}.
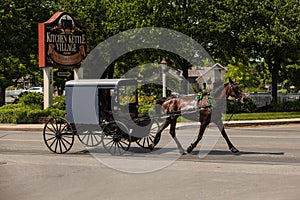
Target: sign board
{"type": "Point", "coordinates": [62, 41]}
{"type": "Point", "coordinates": [64, 74]}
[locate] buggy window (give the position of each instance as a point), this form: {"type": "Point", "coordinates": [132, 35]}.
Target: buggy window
{"type": "Point", "coordinates": [127, 94]}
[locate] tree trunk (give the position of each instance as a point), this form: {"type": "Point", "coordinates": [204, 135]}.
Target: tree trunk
{"type": "Point", "coordinates": [274, 83]}
{"type": "Point", "coordinates": [109, 71]}
{"type": "Point", "coordinates": [185, 73]}
{"type": "Point", "coordinates": [274, 69]}
{"type": "Point", "coordinates": [184, 65]}
{"type": "Point", "coordinates": [2, 96]}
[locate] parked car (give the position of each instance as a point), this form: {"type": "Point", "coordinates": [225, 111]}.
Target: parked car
{"type": "Point", "coordinates": [35, 89]}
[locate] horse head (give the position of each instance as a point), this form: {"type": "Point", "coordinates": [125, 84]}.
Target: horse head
{"type": "Point", "coordinates": [234, 90]}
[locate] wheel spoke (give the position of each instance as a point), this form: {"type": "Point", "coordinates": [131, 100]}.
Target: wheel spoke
{"type": "Point", "coordinates": [144, 140]}
{"type": "Point", "coordinates": [88, 139]}
{"type": "Point", "coordinates": [56, 145]}
{"type": "Point", "coordinates": [56, 125]}
{"type": "Point", "coordinates": [95, 137]}
{"type": "Point", "coordinates": [151, 139]}
{"type": "Point", "coordinates": [115, 149]}
{"type": "Point", "coordinates": [91, 136]}
{"type": "Point", "coordinates": [59, 141]}
{"type": "Point", "coordinates": [52, 142]}
{"type": "Point", "coordinates": [119, 144]}
{"type": "Point", "coordinates": [64, 127]}
{"type": "Point", "coordinates": [66, 141]}
{"type": "Point", "coordinates": [53, 131]}
{"type": "Point", "coordinates": [84, 136]}
{"type": "Point", "coordinates": [109, 142]}
{"type": "Point", "coordinates": [52, 134]}
{"type": "Point", "coordinates": [50, 138]}
{"type": "Point", "coordinates": [59, 129]}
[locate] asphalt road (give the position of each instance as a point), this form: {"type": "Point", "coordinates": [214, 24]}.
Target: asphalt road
{"type": "Point", "coordinates": [267, 167]}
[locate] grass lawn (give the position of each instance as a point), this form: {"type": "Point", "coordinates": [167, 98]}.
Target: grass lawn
{"type": "Point", "coordinates": [257, 116]}
{"type": "Point", "coordinates": [262, 116]}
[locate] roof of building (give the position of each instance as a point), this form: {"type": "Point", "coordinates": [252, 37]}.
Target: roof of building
{"type": "Point", "coordinates": [200, 71]}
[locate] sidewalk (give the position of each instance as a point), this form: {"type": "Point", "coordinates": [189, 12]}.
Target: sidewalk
{"type": "Point", "coordinates": [180, 125]}
{"type": "Point", "coordinates": [243, 123]}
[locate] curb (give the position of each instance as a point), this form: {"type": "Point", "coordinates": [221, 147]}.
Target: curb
{"type": "Point", "coordinates": [21, 127]}
{"type": "Point", "coordinates": [263, 122]}
{"type": "Point", "coordinates": [181, 125]}
{"type": "Point", "coordinates": [244, 123]}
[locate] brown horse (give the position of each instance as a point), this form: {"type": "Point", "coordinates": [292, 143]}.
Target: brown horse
{"type": "Point", "coordinates": [207, 109]}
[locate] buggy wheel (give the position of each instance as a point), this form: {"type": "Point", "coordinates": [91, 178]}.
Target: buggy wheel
{"type": "Point", "coordinates": [58, 135]}
{"type": "Point", "coordinates": [116, 138]}
{"type": "Point", "coordinates": [148, 140]}
{"type": "Point", "coordinates": [90, 138]}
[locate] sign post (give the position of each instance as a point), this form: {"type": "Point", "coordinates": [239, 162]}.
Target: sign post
{"type": "Point", "coordinates": [48, 86]}
{"type": "Point", "coordinates": [62, 43]}
{"type": "Point", "coordinates": [78, 73]}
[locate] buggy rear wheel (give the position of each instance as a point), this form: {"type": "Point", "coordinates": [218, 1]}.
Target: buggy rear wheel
{"type": "Point", "coordinates": [116, 138]}
{"type": "Point", "coordinates": [58, 135]}
{"type": "Point", "coordinates": [145, 142]}
{"type": "Point", "coordinates": [90, 137]}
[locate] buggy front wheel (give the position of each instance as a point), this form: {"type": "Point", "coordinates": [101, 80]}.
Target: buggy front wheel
{"type": "Point", "coordinates": [58, 135]}
{"type": "Point", "coordinates": [145, 142]}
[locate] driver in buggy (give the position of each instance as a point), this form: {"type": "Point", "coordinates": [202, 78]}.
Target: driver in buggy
{"type": "Point", "coordinates": [105, 99]}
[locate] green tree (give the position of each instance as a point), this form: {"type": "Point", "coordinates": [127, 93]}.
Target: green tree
{"type": "Point", "coordinates": [262, 31]}
{"type": "Point", "coordinates": [259, 30]}
{"type": "Point", "coordinates": [18, 51]}
{"type": "Point", "coordinates": [246, 75]}
{"type": "Point", "coordinates": [272, 32]}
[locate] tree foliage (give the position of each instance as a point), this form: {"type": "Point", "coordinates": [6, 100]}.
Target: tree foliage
{"type": "Point", "coordinates": [260, 36]}
{"type": "Point", "coordinates": [18, 50]}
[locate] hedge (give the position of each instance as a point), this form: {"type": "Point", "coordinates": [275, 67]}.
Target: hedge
{"type": "Point", "coordinates": [27, 109]}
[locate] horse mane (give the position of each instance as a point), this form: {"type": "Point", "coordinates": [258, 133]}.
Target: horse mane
{"type": "Point", "coordinates": [161, 100]}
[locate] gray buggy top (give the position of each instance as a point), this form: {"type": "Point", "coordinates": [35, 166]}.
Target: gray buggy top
{"type": "Point", "coordinates": [83, 98]}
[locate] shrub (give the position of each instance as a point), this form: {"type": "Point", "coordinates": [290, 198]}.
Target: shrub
{"type": "Point", "coordinates": [248, 106]}
{"type": "Point", "coordinates": [15, 112]}
{"type": "Point", "coordinates": [59, 102]}
{"type": "Point", "coordinates": [29, 110]}
{"type": "Point", "coordinates": [31, 98]}
{"type": "Point", "coordinates": [286, 106]}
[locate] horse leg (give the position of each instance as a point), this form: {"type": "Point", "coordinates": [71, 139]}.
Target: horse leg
{"type": "Point", "coordinates": [173, 134]}
{"type": "Point", "coordinates": [158, 134]}
{"type": "Point", "coordinates": [224, 134]}
{"type": "Point", "coordinates": [200, 135]}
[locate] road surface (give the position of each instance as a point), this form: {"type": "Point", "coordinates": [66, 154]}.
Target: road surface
{"type": "Point", "coordinates": [268, 167]}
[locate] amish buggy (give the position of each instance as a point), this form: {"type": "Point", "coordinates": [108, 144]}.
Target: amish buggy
{"type": "Point", "coordinates": [101, 111]}
{"type": "Point", "coordinates": [106, 111]}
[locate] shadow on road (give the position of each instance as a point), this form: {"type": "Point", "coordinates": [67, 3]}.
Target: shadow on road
{"type": "Point", "coordinates": [220, 152]}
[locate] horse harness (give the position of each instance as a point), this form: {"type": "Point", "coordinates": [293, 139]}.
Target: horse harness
{"type": "Point", "coordinates": [174, 102]}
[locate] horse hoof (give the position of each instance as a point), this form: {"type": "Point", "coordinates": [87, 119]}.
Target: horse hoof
{"type": "Point", "coordinates": [234, 150]}
{"type": "Point", "coordinates": [182, 152]}
{"type": "Point", "coordinates": [190, 149]}
{"type": "Point", "coordinates": [151, 147]}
